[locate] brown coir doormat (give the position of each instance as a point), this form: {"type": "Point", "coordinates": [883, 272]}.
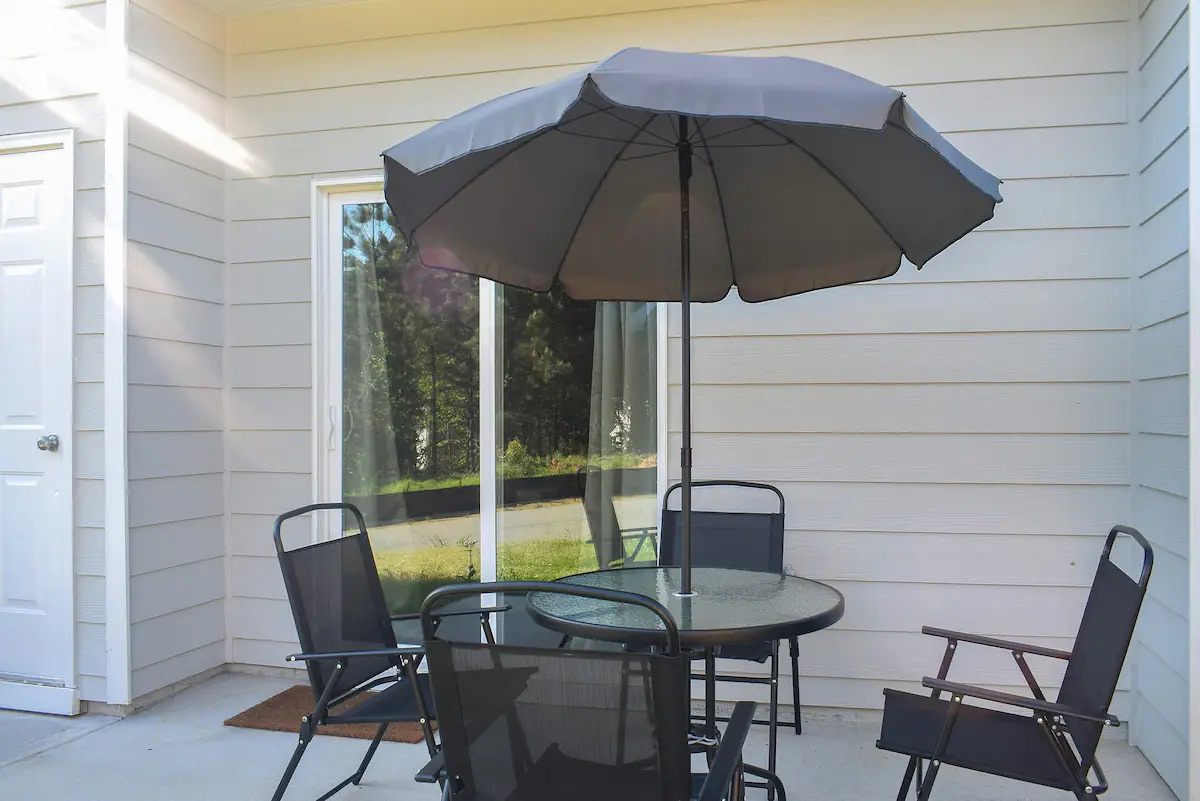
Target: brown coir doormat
{"type": "Point", "coordinates": [282, 712]}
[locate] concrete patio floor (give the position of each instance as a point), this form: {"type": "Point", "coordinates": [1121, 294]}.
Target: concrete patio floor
{"type": "Point", "coordinates": [178, 750]}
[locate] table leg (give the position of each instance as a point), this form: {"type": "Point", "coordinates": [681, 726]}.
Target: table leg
{"type": "Point", "coordinates": [710, 692]}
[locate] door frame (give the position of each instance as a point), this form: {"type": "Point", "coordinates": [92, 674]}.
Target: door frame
{"type": "Point", "coordinates": [327, 367]}
{"type": "Point", "coordinates": [46, 698]}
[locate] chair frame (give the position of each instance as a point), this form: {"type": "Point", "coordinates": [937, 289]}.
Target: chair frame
{"type": "Point", "coordinates": [407, 659]}
{"type": "Point", "coordinates": [725, 777]}
{"type": "Point", "coordinates": [1051, 717]}
{"type": "Point", "coordinates": [772, 681]}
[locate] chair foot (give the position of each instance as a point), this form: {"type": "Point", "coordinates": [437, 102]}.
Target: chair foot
{"type": "Point", "coordinates": [366, 760]}
{"type": "Point", "coordinates": [286, 779]}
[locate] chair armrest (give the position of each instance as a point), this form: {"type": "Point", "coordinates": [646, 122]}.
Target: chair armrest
{"type": "Point", "coordinates": [401, 651]}
{"type": "Point", "coordinates": [434, 771]}
{"type": "Point", "coordinates": [729, 753]}
{"type": "Point", "coordinates": [482, 610]}
{"type": "Point", "coordinates": [994, 642]}
{"type": "Point", "coordinates": [998, 697]}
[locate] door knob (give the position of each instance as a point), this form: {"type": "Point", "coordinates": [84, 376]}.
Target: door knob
{"type": "Point", "coordinates": [50, 442]}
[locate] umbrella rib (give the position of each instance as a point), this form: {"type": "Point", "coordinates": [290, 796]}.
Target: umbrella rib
{"type": "Point", "coordinates": [631, 123]}
{"type": "Point", "coordinates": [487, 167]}
{"type": "Point", "coordinates": [837, 178]}
{"type": "Point", "coordinates": [596, 191]}
{"type": "Point", "coordinates": [665, 151]}
{"type": "Point", "coordinates": [712, 165]}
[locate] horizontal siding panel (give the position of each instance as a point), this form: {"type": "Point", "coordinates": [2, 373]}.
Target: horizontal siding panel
{"type": "Point", "coordinates": [270, 198]}
{"type": "Point", "coordinates": [163, 500]}
{"type": "Point", "coordinates": [949, 508]}
{"type": "Point", "coordinates": [1009, 560]}
{"type": "Point", "coordinates": [256, 577]}
{"type": "Point", "coordinates": [1167, 63]}
{"type": "Point", "coordinates": [907, 408]}
{"type": "Point", "coordinates": [91, 688]}
{"type": "Point", "coordinates": [169, 363]}
{"type": "Point", "coordinates": [89, 407]}
{"type": "Point", "coordinates": [1161, 462]}
{"type": "Point", "coordinates": [1162, 406]}
{"type": "Point", "coordinates": [155, 223]}
{"type": "Point", "coordinates": [84, 114]}
{"type": "Point", "coordinates": [214, 154]}
{"type": "Point", "coordinates": [760, 24]}
{"type": "Point", "coordinates": [1162, 517]}
{"type": "Point", "coordinates": [170, 272]}
{"type": "Point", "coordinates": [886, 308]}
{"type": "Point", "coordinates": [270, 282]}
{"type": "Point", "coordinates": [1064, 152]}
{"type": "Point", "coordinates": [1163, 124]}
{"type": "Point", "coordinates": [167, 42]}
{"type": "Point", "coordinates": [270, 409]}
{"type": "Point", "coordinates": [264, 652]}
{"type": "Point", "coordinates": [89, 599]}
{"type": "Point", "coordinates": [1159, 17]}
{"type": "Point", "coordinates": [1163, 688]}
{"type": "Point", "coordinates": [921, 458]}
{"type": "Point", "coordinates": [1164, 236]}
{"type": "Point", "coordinates": [280, 366]}
{"type": "Point", "coordinates": [89, 359]}
{"type": "Point", "coordinates": [261, 619]}
{"type": "Point", "coordinates": [1164, 631]}
{"type": "Point", "coordinates": [1169, 585]}
{"type": "Point", "coordinates": [1162, 293]}
{"type": "Point", "coordinates": [1162, 349]}
{"type": "Point", "coordinates": [47, 78]}
{"type": "Point", "coordinates": [179, 542]}
{"type": "Point", "coordinates": [89, 454]}
{"type": "Point", "coordinates": [1096, 202]}
{"type": "Point", "coordinates": [268, 493]}
{"type": "Point", "coordinates": [1041, 255]}
{"type": "Point", "coordinates": [178, 668]}
{"type": "Point", "coordinates": [275, 240]}
{"type": "Point", "coordinates": [89, 165]}
{"type": "Point", "coordinates": [89, 551]}
{"type": "Point", "coordinates": [199, 21]}
{"type": "Point", "coordinates": [165, 408]}
{"type": "Point", "coordinates": [271, 451]}
{"type": "Point", "coordinates": [1163, 181]}
{"type": "Point", "coordinates": [161, 179]}
{"type": "Point", "coordinates": [89, 503]}
{"type": "Point", "coordinates": [172, 589]}
{"type": "Point", "coordinates": [910, 358]}
{"type": "Point", "coordinates": [89, 310]}
{"type": "Point", "coordinates": [89, 213]}
{"type": "Point", "coordinates": [91, 654]}
{"type": "Point", "coordinates": [1166, 749]}
{"type": "Point", "coordinates": [270, 324]}
{"type": "Point", "coordinates": [251, 535]}
{"type": "Point", "coordinates": [89, 261]}
{"type": "Point", "coordinates": [76, 30]}
{"type": "Point", "coordinates": [155, 454]}
{"type": "Point", "coordinates": [175, 318]}
{"type": "Point", "coordinates": [163, 637]}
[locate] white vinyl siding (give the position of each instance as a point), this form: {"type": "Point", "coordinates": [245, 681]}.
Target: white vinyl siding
{"type": "Point", "coordinates": [176, 320]}
{"type": "Point", "coordinates": [1160, 353]}
{"type": "Point", "coordinates": [971, 422]}
{"type": "Point", "coordinates": [42, 87]}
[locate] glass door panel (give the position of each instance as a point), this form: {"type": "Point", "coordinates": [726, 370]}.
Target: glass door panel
{"type": "Point", "coordinates": [410, 408]}
{"type": "Point", "coordinates": [576, 426]}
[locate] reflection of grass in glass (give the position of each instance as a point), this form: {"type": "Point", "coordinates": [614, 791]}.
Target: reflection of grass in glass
{"type": "Point", "coordinates": [529, 466]}
{"type": "Point", "coordinates": [409, 575]}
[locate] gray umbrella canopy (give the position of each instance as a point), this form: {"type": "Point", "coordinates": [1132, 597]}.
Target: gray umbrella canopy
{"type": "Point", "coordinates": [804, 176]}
{"type": "Point", "coordinates": [656, 176]}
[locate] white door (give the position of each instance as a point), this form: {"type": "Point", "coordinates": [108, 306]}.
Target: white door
{"type": "Point", "coordinates": [36, 235]}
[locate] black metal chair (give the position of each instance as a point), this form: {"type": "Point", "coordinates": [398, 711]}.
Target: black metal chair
{"type": "Point", "coordinates": [744, 541]}
{"type": "Point", "coordinates": [1053, 743]}
{"type": "Point", "coordinates": [529, 724]}
{"type": "Point", "coordinates": [605, 527]}
{"type": "Point", "coordinates": [348, 642]}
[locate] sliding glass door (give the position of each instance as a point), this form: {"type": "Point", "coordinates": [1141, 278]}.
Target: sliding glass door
{"type": "Point", "coordinates": [484, 431]}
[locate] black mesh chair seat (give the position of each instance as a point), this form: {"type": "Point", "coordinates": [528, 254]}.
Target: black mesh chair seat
{"type": "Point", "coordinates": [984, 740]}
{"type": "Point", "coordinates": [1042, 742]}
{"type": "Point", "coordinates": [396, 702]}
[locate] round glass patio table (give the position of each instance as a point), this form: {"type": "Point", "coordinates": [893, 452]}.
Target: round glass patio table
{"type": "Point", "coordinates": [730, 607]}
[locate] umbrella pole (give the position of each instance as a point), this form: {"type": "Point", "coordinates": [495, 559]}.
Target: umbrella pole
{"type": "Point", "coordinates": [685, 455]}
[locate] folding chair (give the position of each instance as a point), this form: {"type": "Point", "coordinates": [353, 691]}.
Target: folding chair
{"type": "Point", "coordinates": [529, 724]}
{"type": "Point", "coordinates": [1053, 743]}
{"type": "Point", "coordinates": [348, 642]}
{"type": "Point", "coordinates": [743, 541]}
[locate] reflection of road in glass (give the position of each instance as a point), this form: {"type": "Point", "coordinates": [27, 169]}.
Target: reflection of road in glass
{"type": "Point", "coordinates": [539, 521]}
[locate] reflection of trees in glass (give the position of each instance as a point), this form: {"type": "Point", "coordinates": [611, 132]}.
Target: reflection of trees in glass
{"type": "Point", "coordinates": [410, 360]}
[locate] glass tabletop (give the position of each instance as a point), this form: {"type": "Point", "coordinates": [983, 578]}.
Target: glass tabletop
{"type": "Point", "coordinates": [730, 606]}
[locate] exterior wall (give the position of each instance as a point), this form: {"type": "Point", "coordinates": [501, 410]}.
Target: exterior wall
{"type": "Point", "coordinates": [952, 444]}
{"type": "Point", "coordinates": [1160, 351]}
{"type": "Point", "coordinates": [42, 87]}
{"type": "Point", "coordinates": [176, 316]}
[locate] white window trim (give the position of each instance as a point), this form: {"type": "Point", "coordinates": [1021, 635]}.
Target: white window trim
{"type": "Point", "coordinates": [327, 367]}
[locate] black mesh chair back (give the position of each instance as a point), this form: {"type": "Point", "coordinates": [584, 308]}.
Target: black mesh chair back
{"type": "Point", "coordinates": [737, 540]}
{"type": "Point", "coordinates": [529, 724]}
{"type": "Point", "coordinates": [337, 601]}
{"type": "Point", "coordinates": [1105, 633]}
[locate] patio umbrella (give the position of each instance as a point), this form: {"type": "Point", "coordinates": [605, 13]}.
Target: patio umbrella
{"type": "Point", "coordinates": [659, 176]}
